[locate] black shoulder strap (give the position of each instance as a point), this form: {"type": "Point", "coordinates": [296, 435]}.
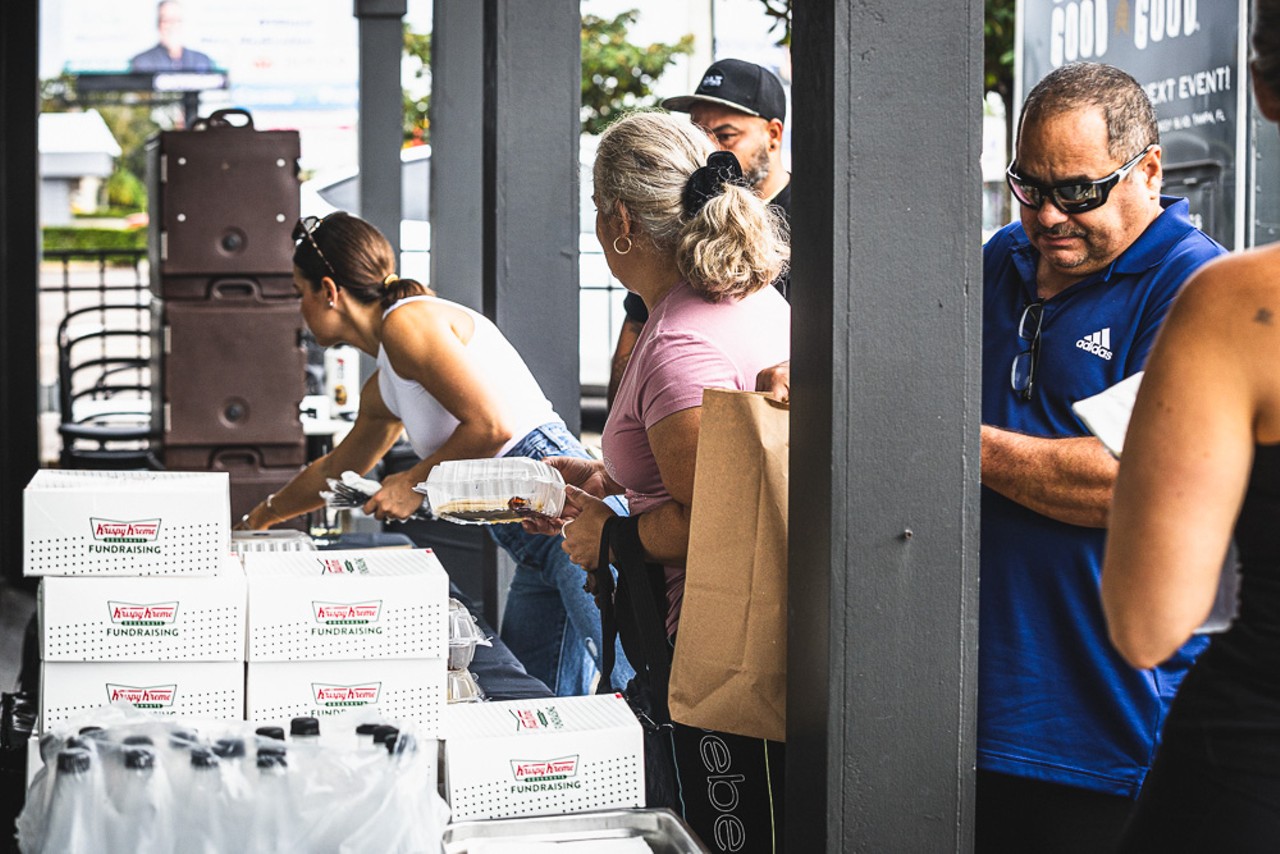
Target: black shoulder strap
{"type": "Point", "coordinates": [608, 617]}
{"type": "Point", "coordinates": [646, 641]}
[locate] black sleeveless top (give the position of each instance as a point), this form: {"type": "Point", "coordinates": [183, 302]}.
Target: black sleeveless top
{"type": "Point", "coordinates": [1228, 708]}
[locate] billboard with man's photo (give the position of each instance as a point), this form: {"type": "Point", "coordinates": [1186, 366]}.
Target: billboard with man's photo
{"type": "Point", "coordinates": [291, 63]}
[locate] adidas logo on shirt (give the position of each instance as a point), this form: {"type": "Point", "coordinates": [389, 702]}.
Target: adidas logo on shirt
{"type": "Point", "coordinates": [1099, 343]}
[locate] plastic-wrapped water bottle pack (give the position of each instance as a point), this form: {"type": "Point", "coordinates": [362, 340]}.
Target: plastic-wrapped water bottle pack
{"type": "Point", "coordinates": [133, 783]}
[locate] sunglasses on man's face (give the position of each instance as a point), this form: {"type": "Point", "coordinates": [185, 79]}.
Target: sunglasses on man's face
{"type": "Point", "coordinates": [306, 228]}
{"type": "Point", "coordinates": [1070, 197]}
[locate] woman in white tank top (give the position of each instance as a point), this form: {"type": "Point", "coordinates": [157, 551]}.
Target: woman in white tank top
{"type": "Point", "coordinates": [449, 379]}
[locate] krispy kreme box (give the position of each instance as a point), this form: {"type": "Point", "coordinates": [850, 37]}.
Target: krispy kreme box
{"type": "Point", "coordinates": [157, 618]}
{"type": "Point", "coordinates": [188, 689]}
{"type": "Point", "coordinates": [399, 688]}
{"type": "Point", "coordinates": [538, 757]}
{"type": "Point", "coordinates": [344, 605]}
{"type": "Point", "coordinates": [126, 523]}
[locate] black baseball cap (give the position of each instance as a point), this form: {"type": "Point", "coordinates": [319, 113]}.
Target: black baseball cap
{"type": "Point", "coordinates": [740, 85]}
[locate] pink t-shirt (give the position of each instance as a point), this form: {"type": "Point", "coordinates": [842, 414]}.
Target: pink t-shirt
{"type": "Point", "coordinates": [687, 344]}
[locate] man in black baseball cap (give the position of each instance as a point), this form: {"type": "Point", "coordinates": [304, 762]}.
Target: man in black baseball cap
{"type": "Point", "coordinates": [743, 107]}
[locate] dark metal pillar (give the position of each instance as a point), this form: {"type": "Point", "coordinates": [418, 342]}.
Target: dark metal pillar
{"type": "Point", "coordinates": [19, 269]}
{"type": "Point", "coordinates": [532, 86]}
{"type": "Point", "coordinates": [381, 114]}
{"type": "Point", "coordinates": [457, 234]}
{"type": "Point", "coordinates": [457, 127]}
{"type": "Point", "coordinates": [885, 419]}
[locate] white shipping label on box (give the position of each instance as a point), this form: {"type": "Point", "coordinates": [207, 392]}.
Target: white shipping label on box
{"type": "Point", "coordinates": [201, 689]}
{"type": "Point", "coordinates": [404, 689]}
{"type": "Point", "coordinates": [199, 618]}
{"type": "Point", "coordinates": [126, 523]}
{"type": "Point", "coordinates": [538, 757]}
{"type": "Point", "coordinates": [345, 605]}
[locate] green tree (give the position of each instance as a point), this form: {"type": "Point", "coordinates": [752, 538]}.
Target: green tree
{"type": "Point", "coordinates": [417, 101]}
{"type": "Point", "coordinates": [780, 12]}
{"type": "Point", "coordinates": [997, 43]}
{"type": "Point", "coordinates": [616, 74]}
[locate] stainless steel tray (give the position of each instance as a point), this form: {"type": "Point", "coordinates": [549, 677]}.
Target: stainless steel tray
{"type": "Point", "coordinates": [663, 830]}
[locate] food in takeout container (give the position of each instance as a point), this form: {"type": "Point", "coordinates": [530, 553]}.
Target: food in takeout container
{"type": "Point", "coordinates": [494, 491]}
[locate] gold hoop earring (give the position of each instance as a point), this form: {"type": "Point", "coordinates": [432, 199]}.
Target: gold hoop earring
{"type": "Point", "coordinates": [625, 237]}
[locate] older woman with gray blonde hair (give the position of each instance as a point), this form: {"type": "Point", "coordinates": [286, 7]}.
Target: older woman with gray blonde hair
{"type": "Point", "coordinates": [1201, 464]}
{"type": "Point", "coordinates": [680, 228]}
{"type": "Point", "coordinates": [683, 230]}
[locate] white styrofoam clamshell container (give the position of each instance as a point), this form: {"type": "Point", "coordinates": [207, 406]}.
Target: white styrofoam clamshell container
{"type": "Point", "coordinates": [477, 492]}
{"type": "Point", "coordinates": [125, 523]}
{"type": "Point", "coordinates": [159, 618]}
{"type": "Point", "coordinates": [402, 689]}
{"type": "Point", "coordinates": [545, 756]}
{"type": "Point", "coordinates": [187, 689]}
{"type": "Point", "coordinates": [276, 540]}
{"type": "Point", "coordinates": [343, 605]}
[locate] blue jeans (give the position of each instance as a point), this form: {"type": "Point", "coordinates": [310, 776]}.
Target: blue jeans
{"type": "Point", "coordinates": [552, 624]}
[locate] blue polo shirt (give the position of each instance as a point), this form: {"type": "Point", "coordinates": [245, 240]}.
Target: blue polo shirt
{"type": "Point", "coordinates": [1055, 700]}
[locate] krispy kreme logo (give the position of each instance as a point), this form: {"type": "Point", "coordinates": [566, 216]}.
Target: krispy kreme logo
{"type": "Point", "coordinates": [537, 717]}
{"type": "Point", "coordinates": [137, 531]}
{"type": "Point", "coordinates": [154, 614]}
{"type": "Point", "coordinates": [342, 566]}
{"type": "Point", "coordinates": [152, 697]}
{"type": "Point", "coordinates": [539, 770]}
{"type": "Point", "coordinates": [347, 613]}
{"type": "Point", "coordinates": [345, 695]}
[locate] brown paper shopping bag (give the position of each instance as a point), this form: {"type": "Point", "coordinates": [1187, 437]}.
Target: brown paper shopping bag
{"type": "Point", "coordinates": [730, 667]}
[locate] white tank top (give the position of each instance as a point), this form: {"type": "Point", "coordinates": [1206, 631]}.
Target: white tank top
{"type": "Point", "coordinates": [429, 424]}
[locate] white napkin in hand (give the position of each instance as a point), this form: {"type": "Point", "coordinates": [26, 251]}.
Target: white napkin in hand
{"type": "Point", "coordinates": [1106, 413]}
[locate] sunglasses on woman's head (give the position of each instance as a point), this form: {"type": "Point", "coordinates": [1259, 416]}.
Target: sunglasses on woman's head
{"type": "Point", "coordinates": [305, 228]}
{"type": "Point", "coordinates": [1070, 197]}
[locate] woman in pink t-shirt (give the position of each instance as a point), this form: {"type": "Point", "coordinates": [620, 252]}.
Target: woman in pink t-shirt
{"type": "Point", "coordinates": [681, 229]}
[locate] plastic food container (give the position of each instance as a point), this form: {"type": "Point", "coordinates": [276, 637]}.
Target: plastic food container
{"type": "Point", "coordinates": [496, 491]}
{"type": "Point", "coordinates": [464, 636]}
{"type": "Point", "coordinates": [463, 687]}
{"type": "Point", "coordinates": [283, 540]}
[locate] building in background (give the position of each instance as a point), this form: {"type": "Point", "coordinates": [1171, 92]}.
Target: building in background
{"type": "Point", "coordinates": [77, 155]}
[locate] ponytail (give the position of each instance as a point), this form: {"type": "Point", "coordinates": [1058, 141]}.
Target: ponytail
{"type": "Point", "coordinates": [733, 245]}
{"type": "Point", "coordinates": [393, 289]}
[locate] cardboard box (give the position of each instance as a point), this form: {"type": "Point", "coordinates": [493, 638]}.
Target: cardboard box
{"type": "Point", "coordinates": [184, 689]}
{"type": "Point", "coordinates": [538, 757]}
{"type": "Point", "coordinates": [144, 619]}
{"type": "Point", "coordinates": [404, 689]}
{"type": "Point", "coordinates": [125, 523]}
{"type": "Point", "coordinates": [346, 605]}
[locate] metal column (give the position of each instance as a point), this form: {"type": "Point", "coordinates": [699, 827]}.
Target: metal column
{"type": "Point", "coordinates": [532, 94]}
{"type": "Point", "coordinates": [381, 114]}
{"type": "Point", "coordinates": [19, 268]}
{"type": "Point", "coordinates": [457, 234]}
{"type": "Point", "coordinates": [457, 100]}
{"type": "Point", "coordinates": [885, 422]}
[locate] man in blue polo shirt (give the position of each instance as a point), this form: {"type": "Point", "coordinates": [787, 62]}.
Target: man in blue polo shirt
{"type": "Point", "coordinates": [1073, 297]}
